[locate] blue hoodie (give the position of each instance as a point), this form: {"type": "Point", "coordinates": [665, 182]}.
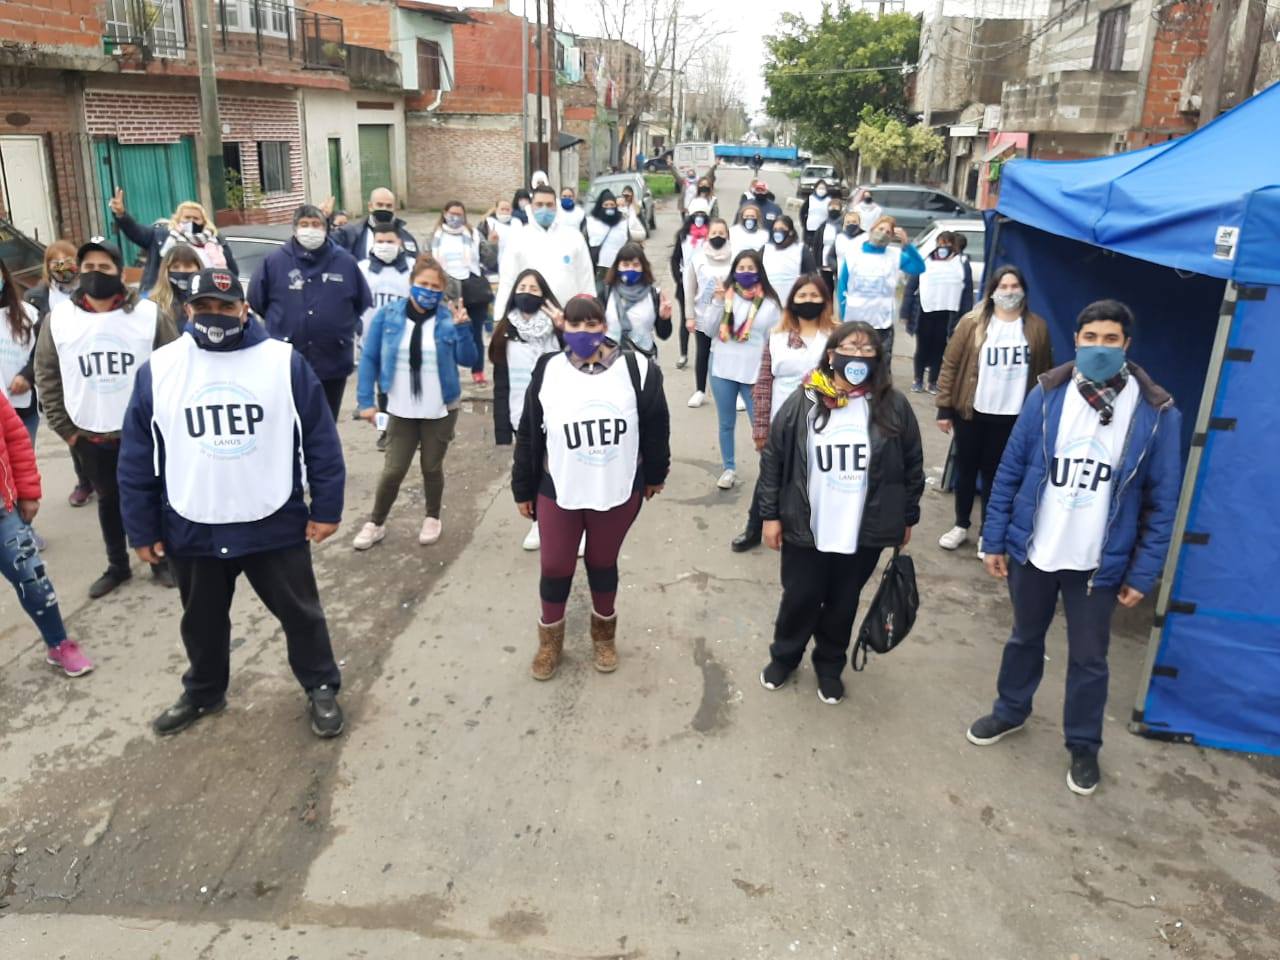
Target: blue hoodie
{"type": "Point", "coordinates": [313, 299]}
{"type": "Point", "coordinates": [148, 518]}
{"type": "Point", "coordinates": [1145, 497]}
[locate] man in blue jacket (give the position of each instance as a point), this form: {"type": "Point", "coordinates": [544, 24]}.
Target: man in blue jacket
{"type": "Point", "coordinates": [312, 294]}
{"type": "Point", "coordinates": [1082, 506]}
{"type": "Point", "coordinates": [226, 433]}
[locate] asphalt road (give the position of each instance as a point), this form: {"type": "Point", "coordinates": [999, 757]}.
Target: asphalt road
{"type": "Point", "coordinates": [673, 809]}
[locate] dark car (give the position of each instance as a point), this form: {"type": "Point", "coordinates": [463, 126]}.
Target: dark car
{"type": "Point", "coordinates": [914, 206]}
{"type": "Point", "coordinates": [23, 256]}
{"type": "Point", "coordinates": [251, 244]}
{"type": "Point", "coordinates": [660, 163]}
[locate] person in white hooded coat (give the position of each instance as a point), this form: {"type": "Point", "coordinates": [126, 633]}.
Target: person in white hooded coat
{"type": "Point", "coordinates": [557, 251]}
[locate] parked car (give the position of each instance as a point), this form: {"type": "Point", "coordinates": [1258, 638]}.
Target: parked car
{"type": "Point", "coordinates": [975, 234]}
{"type": "Point", "coordinates": [23, 256]}
{"type": "Point", "coordinates": [914, 206]}
{"type": "Point", "coordinates": [251, 244]}
{"type": "Point", "coordinates": [814, 172]}
{"type": "Point", "coordinates": [660, 163]}
{"type": "Point", "coordinates": [614, 182]}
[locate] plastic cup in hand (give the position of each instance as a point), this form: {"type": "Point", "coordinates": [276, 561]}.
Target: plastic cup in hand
{"type": "Point", "coordinates": [380, 420]}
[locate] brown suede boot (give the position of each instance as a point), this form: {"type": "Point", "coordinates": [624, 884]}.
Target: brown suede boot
{"type": "Point", "coordinates": [603, 632]}
{"type": "Point", "coordinates": [550, 645]}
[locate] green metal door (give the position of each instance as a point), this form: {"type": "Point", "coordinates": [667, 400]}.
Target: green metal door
{"type": "Point", "coordinates": [375, 157]}
{"type": "Point", "coordinates": [335, 173]}
{"type": "Point", "coordinates": [155, 177]}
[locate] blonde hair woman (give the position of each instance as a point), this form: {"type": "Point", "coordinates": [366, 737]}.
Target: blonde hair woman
{"type": "Point", "coordinates": [190, 224]}
{"type": "Point", "coordinates": [173, 282]}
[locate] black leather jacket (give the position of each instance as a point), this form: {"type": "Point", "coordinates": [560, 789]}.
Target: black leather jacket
{"type": "Point", "coordinates": [895, 479]}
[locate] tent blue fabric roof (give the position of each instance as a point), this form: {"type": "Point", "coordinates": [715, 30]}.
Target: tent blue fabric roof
{"type": "Point", "coordinates": [1168, 204]}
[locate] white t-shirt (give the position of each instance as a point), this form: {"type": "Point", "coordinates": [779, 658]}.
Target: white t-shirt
{"type": "Point", "coordinates": [736, 360]}
{"type": "Point", "coordinates": [701, 276]}
{"type": "Point", "coordinates": [641, 319]}
{"type": "Point", "coordinates": [868, 214]}
{"type": "Point", "coordinates": [610, 238]}
{"type": "Point", "coordinates": [790, 364]}
{"type": "Point", "coordinates": [1071, 518]}
{"type": "Point", "coordinates": [740, 238]}
{"type": "Point", "coordinates": [783, 267]}
{"type": "Point", "coordinates": [400, 399]}
{"type": "Point", "coordinates": [1002, 369]}
{"type": "Point", "coordinates": [839, 459]}
{"type": "Point", "coordinates": [592, 426]}
{"type": "Point", "coordinates": [458, 253]}
{"type": "Point", "coordinates": [14, 354]}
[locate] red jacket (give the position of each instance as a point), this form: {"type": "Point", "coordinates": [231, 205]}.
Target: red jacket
{"type": "Point", "coordinates": [18, 470]}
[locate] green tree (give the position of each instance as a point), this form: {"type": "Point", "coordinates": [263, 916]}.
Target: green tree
{"type": "Point", "coordinates": [886, 143]}
{"type": "Point", "coordinates": [821, 77]}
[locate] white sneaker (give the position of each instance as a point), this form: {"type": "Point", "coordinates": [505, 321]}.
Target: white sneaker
{"type": "Point", "coordinates": [981, 553]}
{"type": "Point", "coordinates": [954, 538]}
{"type": "Point", "coordinates": [698, 399]}
{"type": "Point", "coordinates": [431, 530]}
{"type": "Point", "coordinates": [532, 540]}
{"type": "Point", "coordinates": [369, 534]}
{"type": "Point", "coordinates": [727, 480]}
{"type": "Point", "coordinates": [582, 546]}
{"type": "Point", "coordinates": [741, 404]}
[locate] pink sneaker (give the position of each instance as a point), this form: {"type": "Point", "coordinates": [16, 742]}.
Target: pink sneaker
{"type": "Point", "coordinates": [431, 530]}
{"type": "Point", "coordinates": [69, 657]}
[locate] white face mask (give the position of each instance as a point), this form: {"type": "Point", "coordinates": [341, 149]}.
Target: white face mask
{"type": "Point", "coordinates": [504, 218]}
{"type": "Point", "coordinates": [311, 238]}
{"type": "Point", "coordinates": [386, 251]}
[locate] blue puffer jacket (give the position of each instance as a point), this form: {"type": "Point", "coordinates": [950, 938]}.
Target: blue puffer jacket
{"type": "Point", "coordinates": [1144, 498]}
{"type": "Point", "coordinates": [313, 299]}
{"type": "Point", "coordinates": [382, 345]}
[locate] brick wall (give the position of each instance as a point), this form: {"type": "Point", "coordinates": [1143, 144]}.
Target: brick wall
{"type": "Point", "coordinates": [486, 65]}
{"type": "Point", "coordinates": [1181, 41]}
{"type": "Point", "coordinates": [55, 23]}
{"type": "Point", "coordinates": [365, 23]}
{"type": "Point", "coordinates": [40, 103]}
{"type": "Point", "coordinates": [164, 118]}
{"type": "Point", "coordinates": [474, 159]}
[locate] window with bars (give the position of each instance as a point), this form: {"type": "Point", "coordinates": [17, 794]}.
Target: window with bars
{"type": "Point", "coordinates": [429, 72]}
{"type": "Point", "coordinates": [276, 16]}
{"type": "Point", "coordinates": [1108, 49]}
{"type": "Point", "coordinates": [155, 23]}
{"type": "Point", "coordinates": [273, 166]}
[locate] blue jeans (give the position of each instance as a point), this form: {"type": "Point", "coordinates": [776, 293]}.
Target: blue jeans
{"type": "Point", "coordinates": [726, 393]}
{"type": "Point", "coordinates": [25, 570]}
{"type": "Point", "coordinates": [1034, 594]}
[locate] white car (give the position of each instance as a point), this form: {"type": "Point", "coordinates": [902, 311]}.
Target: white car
{"type": "Point", "coordinates": [975, 234]}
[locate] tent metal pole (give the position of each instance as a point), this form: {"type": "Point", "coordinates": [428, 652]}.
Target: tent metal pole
{"type": "Point", "coordinates": [1213, 376]}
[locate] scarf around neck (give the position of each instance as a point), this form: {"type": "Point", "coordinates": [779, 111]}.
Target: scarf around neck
{"type": "Point", "coordinates": [825, 387]}
{"type": "Point", "coordinates": [626, 298]}
{"type": "Point", "coordinates": [418, 319]}
{"type": "Point", "coordinates": [743, 333]}
{"type": "Point", "coordinates": [531, 328]}
{"type": "Point", "coordinates": [1102, 396]}
{"type": "Point", "coordinates": [698, 234]}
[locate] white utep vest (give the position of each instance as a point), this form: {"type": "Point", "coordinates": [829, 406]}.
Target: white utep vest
{"type": "Point", "coordinates": [592, 423]}
{"type": "Point", "coordinates": [98, 357]}
{"type": "Point", "coordinates": [14, 354]}
{"type": "Point", "coordinates": [522, 357]}
{"type": "Point", "coordinates": [609, 238]}
{"type": "Point", "coordinates": [790, 366]}
{"type": "Point", "coordinates": [942, 284]}
{"type": "Point", "coordinates": [387, 285]}
{"type": "Point", "coordinates": [706, 273]}
{"type": "Point", "coordinates": [782, 267]}
{"type": "Point", "coordinates": [845, 245]}
{"type": "Point", "coordinates": [817, 212]}
{"type": "Point", "coordinates": [873, 283]}
{"type": "Point", "coordinates": [227, 420]}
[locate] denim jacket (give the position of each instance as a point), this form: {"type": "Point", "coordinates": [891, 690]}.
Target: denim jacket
{"type": "Point", "coordinates": [382, 344]}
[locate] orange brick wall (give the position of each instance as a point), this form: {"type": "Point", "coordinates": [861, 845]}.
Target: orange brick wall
{"type": "Point", "coordinates": [1180, 41]}
{"type": "Point", "coordinates": [364, 24]}
{"type": "Point", "coordinates": [486, 65]}
{"type": "Point", "coordinates": [54, 23]}
{"type": "Point", "coordinates": [475, 160]}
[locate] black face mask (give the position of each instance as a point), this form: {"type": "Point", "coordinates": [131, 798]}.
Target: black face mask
{"type": "Point", "coordinates": [717, 243]}
{"type": "Point", "coordinates": [850, 230]}
{"type": "Point", "coordinates": [529, 302]}
{"type": "Point", "coordinates": [808, 309]}
{"type": "Point", "coordinates": [704, 191]}
{"type": "Point", "coordinates": [216, 331]}
{"type": "Point", "coordinates": [856, 371]}
{"type": "Point", "coordinates": [180, 284]}
{"type": "Point", "coordinates": [101, 286]}
{"type": "Point", "coordinates": [835, 214]}
{"type": "Point", "coordinates": [382, 218]}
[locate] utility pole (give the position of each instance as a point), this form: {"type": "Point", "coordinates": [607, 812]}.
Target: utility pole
{"type": "Point", "coordinates": [524, 89]}
{"type": "Point", "coordinates": [1215, 61]}
{"type": "Point", "coordinates": [210, 122]}
{"type": "Point", "coordinates": [541, 40]}
{"type": "Point", "coordinates": [553, 126]}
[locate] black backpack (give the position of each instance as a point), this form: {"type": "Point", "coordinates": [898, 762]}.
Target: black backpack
{"type": "Point", "coordinates": [893, 610]}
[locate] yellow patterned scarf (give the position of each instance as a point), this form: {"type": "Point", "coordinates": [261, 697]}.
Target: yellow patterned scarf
{"type": "Point", "coordinates": [743, 333]}
{"type": "Point", "coordinates": [826, 388]}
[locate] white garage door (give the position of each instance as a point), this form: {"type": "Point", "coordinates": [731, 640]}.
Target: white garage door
{"type": "Point", "coordinates": [24, 183]}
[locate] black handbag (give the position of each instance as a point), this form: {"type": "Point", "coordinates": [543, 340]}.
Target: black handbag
{"type": "Point", "coordinates": [476, 289]}
{"type": "Point", "coordinates": [893, 610]}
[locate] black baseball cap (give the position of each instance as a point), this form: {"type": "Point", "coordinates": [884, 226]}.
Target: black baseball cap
{"type": "Point", "coordinates": [103, 244]}
{"type": "Point", "coordinates": [218, 283]}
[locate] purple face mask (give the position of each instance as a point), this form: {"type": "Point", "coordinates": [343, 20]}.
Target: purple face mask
{"type": "Point", "coordinates": [583, 343]}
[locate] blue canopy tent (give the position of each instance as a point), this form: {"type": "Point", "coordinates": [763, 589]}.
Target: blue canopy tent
{"type": "Point", "coordinates": [1186, 233]}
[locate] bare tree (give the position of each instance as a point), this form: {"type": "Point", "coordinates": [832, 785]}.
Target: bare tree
{"type": "Point", "coordinates": [716, 109]}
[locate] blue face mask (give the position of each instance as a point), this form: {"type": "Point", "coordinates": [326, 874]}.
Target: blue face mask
{"type": "Point", "coordinates": [566, 203]}
{"type": "Point", "coordinates": [630, 277]}
{"type": "Point", "coordinates": [544, 217]}
{"type": "Point", "coordinates": [1099, 364]}
{"type": "Point", "coordinates": [424, 299]}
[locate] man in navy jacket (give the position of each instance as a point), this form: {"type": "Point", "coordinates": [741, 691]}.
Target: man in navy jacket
{"type": "Point", "coordinates": [225, 436]}
{"type": "Point", "coordinates": [1083, 506]}
{"type": "Point", "coordinates": [356, 236]}
{"type": "Point", "coordinates": [312, 294]}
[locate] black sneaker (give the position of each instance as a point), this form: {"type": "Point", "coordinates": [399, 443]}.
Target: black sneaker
{"type": "Point", "coordinates": [748, 539]}
{"type": "Point", "coordinates": [163, 575]}
{"type": "Point", "coordinates": [326, 715]}
{"type": "Point", "coordinates": [774, 675]}
{"type": "Point", "coordinates": [1084, 774]}
{"type": "Point", "coordinates": [830, 690]}
{"type": "Point", "coordinates": [183, 714]}
{"type": "Point", "coordinates": [109, 581]}
{"type": "Point", "coordinates": [382, 441]}
{"type": "Point", "coordinates": [990, 729]}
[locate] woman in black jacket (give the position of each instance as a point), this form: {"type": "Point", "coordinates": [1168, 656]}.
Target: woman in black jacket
{"type": "Point", "coordinates": [594, 442]}
{"type": "Point", "coordinates": [840, 479]}
{"type": "Point", "coordinates": [189, 224]}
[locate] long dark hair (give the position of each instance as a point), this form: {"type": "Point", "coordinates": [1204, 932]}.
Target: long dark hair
{"type": "Point", "coordinates": [758, 259]}
{"type": "Point", "coordinates": [790, 323]}
{"type": "Point", "coordinates": [881, 381]}
{"type": "Point", "coordinates": [11, 300]}
{"type": "Point", "coordinates": [993, 281]}
{"type": "Point", "coordinates": [630, 251]}
{"type": "Point", "coordinates": [790, 224]}
{"type": "Point", "coordinates": [502, 329]}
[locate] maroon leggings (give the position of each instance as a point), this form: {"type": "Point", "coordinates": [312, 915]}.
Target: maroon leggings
{"type": "Point", "coordinates": [560, 531]}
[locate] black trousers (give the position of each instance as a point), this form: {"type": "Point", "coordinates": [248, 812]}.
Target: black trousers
{"type": "Point", "coordinates": [931, 343]}
{"type": "Point", "coordinates": [979, 446]}
{"type": "Point", "coordinates": [82, 475]}
{"type": "Point", "coordinates": [99, 461]}
{"type": "Point", "coordinates": [820, 593]}
{"type": "Point", "coordinates": [702, 364]}
{"type": "Point", "coordinates": [684, 332]}
{"type": "Point", "coordinates": [333, 391]}
{"type": "Point", "coordinates": [286, 584]}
